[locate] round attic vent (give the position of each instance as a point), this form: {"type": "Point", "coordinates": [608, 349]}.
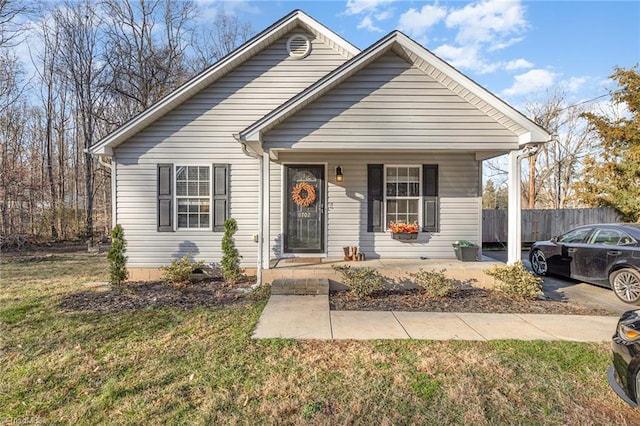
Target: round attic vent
{"type": "Point", "coordinates": [298, 46]}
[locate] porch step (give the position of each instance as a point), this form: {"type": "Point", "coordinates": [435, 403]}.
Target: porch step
{"type": "Point", "coordinates": [300, 286]}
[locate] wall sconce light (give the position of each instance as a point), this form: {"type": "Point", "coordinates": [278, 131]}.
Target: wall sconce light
{"type": "Point", "coordinates": [339, 175]}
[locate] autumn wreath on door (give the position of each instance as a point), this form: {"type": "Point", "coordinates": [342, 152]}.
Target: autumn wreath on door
{"type": "Point", "coordinates": [303, 194]}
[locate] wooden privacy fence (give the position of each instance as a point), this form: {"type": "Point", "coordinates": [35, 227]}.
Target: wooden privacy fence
{"type": "Point", "coordinates": [542, 224]}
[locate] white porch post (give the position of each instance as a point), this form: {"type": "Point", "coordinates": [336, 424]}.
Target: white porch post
{"type": "Point", "coordinates": [514, 224]}
{"type": "Point", "coordinates": [265, 238]}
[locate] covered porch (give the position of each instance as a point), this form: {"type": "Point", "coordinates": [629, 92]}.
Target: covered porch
{"type": "Point", "coordinates": [396, 270]}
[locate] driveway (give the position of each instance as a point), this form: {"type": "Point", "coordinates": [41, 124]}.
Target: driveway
{"type": "Point", "coordinates": [578, 292]}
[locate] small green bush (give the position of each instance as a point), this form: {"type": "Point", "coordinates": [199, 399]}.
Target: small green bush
{"type": "Point", "coordinates": [434, 283]}
{"type": "Point", "coordinates": [179, 271]}
{"type": "Point", "coordinates": [230, 257]}
{"type": "Point", "coordinates": [516, 282]}
{"type": "Point", "coordinates": [118, 273]}
{"type": "Point", "coordinates": [363, 281]}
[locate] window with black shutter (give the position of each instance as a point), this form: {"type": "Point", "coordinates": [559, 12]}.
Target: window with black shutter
{"type": "Point", "coordinates": [196, 197]}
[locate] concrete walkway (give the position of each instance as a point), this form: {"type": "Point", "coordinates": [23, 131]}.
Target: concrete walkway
{"type": "Point", "coordinates": [309, 317]}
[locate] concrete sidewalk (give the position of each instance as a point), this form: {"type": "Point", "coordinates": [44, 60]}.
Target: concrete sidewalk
{"type": "Point", "coordinates": [309, 317]}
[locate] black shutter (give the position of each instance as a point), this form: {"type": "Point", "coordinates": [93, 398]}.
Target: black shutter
{"type": "Point", "coordinates": [431, 210]}
{"type": "Point", "coordinates": [375, 197]}
{"type": "Point", "coordinates": [165, 197]}
{"type": "Point", "coordinates": [220, 184]}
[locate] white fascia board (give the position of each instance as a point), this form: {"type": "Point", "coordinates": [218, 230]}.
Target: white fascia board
{"type": "Point", "coordinates": [217, 70]}
{"type": "Point", "coordinates": [535, 132]}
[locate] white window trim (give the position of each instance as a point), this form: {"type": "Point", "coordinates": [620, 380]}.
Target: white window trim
{"type": "Point", "coordinates": [419, 197]}
{"type": "Point", "coordinates": [175, 196]}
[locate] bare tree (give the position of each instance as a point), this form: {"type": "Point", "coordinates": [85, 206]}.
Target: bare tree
{"type": "Point", "coordinates": [211, 43]}
{"type": "Point", "coordinates": [552, 172]}
{"type": "Point", "coordinates": [146, 56]}
{"type": "Point", "coordinates": [10, 28]}
{"type": "Point", "coordinates": [81, 44]}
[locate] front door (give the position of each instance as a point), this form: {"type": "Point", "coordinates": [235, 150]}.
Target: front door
{"type": "Point", "coordinates": [304, 209]}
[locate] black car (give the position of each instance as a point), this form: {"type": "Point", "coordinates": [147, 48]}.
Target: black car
{"type": "Point", "coordinates": [605, 254]}
{"type": "Point", "coordinates": [624, 374]}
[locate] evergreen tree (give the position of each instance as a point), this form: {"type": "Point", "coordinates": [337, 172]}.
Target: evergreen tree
{"type": "Point", "coordinates": [118, 273]}
{"type": "Point", "coordinates": [613, 178]}
{"type": "Point", "coordinates": [230, 257]}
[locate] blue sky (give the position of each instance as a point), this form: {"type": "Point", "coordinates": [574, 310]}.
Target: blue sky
{"type": "Point", "coordinates": [519, 50]}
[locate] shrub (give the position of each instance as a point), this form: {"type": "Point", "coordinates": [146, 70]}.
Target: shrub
{"type": "Point", "coordinates": [364, 282]}
{"type": "Point", "coordinates": [230, 257]}
{"type": "Point", "coordinates": [179, 271]}
{"type": "Point", "coordinates": [516, 282]}
{"type": "Point", "coordinates": [434, 283]}
{"type": "Point", "coordinates": [118, 273]}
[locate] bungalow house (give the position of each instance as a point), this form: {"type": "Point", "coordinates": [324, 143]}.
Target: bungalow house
{"type": "Point", "coordinates": [313, 145]}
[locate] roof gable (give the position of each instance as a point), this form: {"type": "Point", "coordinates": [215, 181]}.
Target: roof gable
{"type": "Point", "coordinates": [194, 86]}
{"type": "Point", "coordinates": [398, 43]}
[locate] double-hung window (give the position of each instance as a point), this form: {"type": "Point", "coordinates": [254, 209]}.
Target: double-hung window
{"type": "Point", "coordinates": [402, 194]}
{"type": "Point", "coordinates": [408, 194]}
{"type": "Point", "coordinates": [193, 197]}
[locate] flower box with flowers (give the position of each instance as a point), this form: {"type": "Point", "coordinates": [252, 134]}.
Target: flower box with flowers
{"type": "Point", "coordinates": [404, 231]}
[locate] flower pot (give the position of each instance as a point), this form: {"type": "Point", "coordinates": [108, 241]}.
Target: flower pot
{"type": "Point", "coordinates": [466, 253]}
{"type": "Point", "coordinates": [405, 236]}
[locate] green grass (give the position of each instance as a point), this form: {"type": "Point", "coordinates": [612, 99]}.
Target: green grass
{"type": "Point", "coordinates": [200, 366]}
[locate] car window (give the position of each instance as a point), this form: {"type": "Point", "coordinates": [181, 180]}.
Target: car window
{"type": "Point", "coordinates": [626, 240]}
{"type": "Point", "coordinates": [605, 236]}
{"type": "Point", "coordinates": [575, 236]}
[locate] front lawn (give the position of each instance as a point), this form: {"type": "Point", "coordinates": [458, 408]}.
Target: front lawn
{"type": "Point", "coordinates": [199, 365]}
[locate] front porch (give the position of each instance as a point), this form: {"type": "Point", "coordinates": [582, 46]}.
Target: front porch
{"type": "Point", "coordinates": [394, 269]}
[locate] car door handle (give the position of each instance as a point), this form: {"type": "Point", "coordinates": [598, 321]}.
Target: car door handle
{"type": "Point", "coordinates": [614, 252]}
{"type": "Point", "coordinates": [571, 250]}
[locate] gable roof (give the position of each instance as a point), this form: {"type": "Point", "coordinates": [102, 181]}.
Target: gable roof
{"type": "Point", "coordinates": [397, 42]}
{"type": "Point", "coordinates": [297, 18]}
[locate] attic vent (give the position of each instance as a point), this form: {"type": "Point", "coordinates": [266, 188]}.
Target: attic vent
{"type": "Point", "coordinates": [298, 46]}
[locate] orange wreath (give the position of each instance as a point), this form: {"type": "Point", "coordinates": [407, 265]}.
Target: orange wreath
{"type": "Point", "coordinates": [296, 194]}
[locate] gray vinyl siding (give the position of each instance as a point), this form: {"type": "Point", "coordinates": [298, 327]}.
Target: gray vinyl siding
{"type": "Point", "coordinates": [459, 194]}
{"type": "Point", "coordinates": [200, 132]}
{"type": "Point", "coordinates": [391, 103]}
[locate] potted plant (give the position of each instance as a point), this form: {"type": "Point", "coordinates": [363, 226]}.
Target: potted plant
{"type": "Point", "coordinates": [404, 231]}
{"type": "Point", "coordinates": [466, 251]}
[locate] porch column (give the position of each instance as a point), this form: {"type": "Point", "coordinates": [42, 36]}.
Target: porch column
{"type": "Point", "coordinates": [514, 225]}
{"type": "Point", "coordinates": [265, 238]}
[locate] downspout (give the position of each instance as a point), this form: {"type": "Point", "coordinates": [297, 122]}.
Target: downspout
{"type": "Point", "coordinates": [111, 165]}
{"type": "Point", "coordinates": [255, 155]}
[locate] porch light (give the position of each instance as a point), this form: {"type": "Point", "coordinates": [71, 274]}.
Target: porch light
{"type": "Point", "coordinates": [339, 175]}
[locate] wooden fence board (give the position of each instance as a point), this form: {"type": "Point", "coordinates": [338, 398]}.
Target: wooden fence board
{"type": "Point", "coordinates": [542, 224]}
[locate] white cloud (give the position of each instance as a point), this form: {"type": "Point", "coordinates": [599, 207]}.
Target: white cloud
{"type": "Point", "coordinates": [465, 57]}
{"type": "Point", "coordinates": [487, 21]}
{"type": "Point", "coordinates": [356, 7]}
{"type": "Point", "coordinates": [416, 23]}
{"type": "Point", "coordinates": [531, 81]}
{"type": "Point", "coordinates": [517, 64]}
{"type": "Point", "coordinates": [367, 24]}
{"type": "Point", "coordinates": [575, 83]}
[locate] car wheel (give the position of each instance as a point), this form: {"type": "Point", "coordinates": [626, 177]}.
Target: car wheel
{"type": "Point", "coordinates": [625, 283]}
{"type": "Point", "coordinates": [539, 262]}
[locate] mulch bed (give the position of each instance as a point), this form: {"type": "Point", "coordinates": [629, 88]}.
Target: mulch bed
{"type": "Point", "coordinates": [104, 298]}
{"type": "Point", "coordinates": [464, 300]}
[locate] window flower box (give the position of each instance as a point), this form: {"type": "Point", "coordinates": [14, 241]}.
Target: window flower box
{"type": "Point", "coordinates": [404, 231]}
{"type": "Point", "coordinates": [404, 236]}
